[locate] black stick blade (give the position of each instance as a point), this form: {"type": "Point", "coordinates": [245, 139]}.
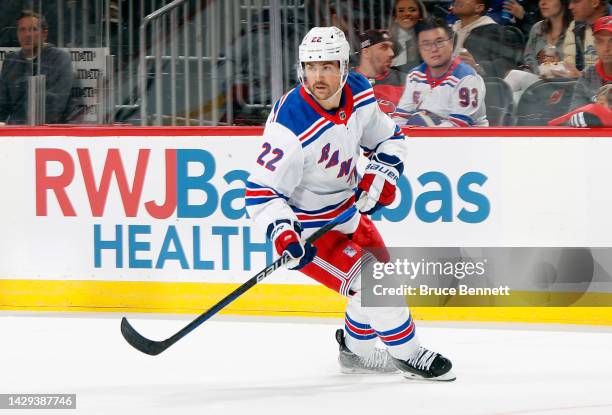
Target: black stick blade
{"type": "Point", "coordinates": [150, 347]}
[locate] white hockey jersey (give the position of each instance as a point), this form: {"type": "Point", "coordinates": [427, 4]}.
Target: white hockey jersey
{"type": "Point", "coordinates": [457, 97]}
{"type": "Point", "coordinates": [307, 168]}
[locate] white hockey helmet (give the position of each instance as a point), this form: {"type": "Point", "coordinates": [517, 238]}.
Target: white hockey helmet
{"type": "Point", "coordinates": [322, 44]}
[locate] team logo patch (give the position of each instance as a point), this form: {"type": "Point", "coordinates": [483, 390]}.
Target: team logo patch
{"type": "Point", "coordinates": [349, 251]}
{"type": "Point", "coordinates": [342, 115]}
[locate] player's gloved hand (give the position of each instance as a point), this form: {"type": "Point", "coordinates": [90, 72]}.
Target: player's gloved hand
{"type": "Point", "coordinates": [377, 187]}
{"type": "Point", "coordinates": [286, 239]}
{"type": "Point", "coordinates": [585, 119]}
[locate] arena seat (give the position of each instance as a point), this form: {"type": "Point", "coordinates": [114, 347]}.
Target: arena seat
{"type": "Point", "coordinates": [498, 101]}
{"type": "Point", "coordinates": [544, 100]}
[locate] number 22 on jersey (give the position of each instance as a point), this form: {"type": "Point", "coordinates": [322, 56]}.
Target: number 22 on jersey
{"type": "Point", "coordinates": [272, 156]}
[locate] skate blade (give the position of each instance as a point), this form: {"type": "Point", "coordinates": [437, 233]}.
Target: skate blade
{"type": "Point", "coordinates": [353, 371]}
{"type": "Point", "coordinates": [447, 377]}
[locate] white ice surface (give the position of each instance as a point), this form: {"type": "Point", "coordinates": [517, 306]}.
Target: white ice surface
{"type": "Point", "coordinates": [289, 367]}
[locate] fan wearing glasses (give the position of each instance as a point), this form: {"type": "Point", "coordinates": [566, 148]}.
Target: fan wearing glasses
{"type": "Point", "coordinates": [443, 91]}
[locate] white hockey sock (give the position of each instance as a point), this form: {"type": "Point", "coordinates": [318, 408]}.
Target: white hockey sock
{"type": "Point", "coordinates": [394, 326]}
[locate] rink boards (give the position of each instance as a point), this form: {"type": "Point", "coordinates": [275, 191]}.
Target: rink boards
{"type": "Point", "coordinates": [153, 219]}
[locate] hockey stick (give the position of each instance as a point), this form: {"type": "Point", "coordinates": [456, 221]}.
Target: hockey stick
{"type": "Point", "coordinates": [154, 348]}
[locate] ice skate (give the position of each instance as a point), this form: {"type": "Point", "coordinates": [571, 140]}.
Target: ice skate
{"type": "Point", "coordinates": [377, 362]}
{"type": "Point", "coordinates": [426, 365]}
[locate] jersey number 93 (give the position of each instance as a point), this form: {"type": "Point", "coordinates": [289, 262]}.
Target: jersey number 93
{"type": "Point", "coordinates": [464, 97]}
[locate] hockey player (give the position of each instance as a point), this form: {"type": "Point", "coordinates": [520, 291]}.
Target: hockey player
{"type": "Point", "coordinates": [306, 174]}
{"type": "Point", "coordinates": [443, 91]}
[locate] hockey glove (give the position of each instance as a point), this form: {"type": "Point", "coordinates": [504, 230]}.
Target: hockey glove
{"type": "Point", "coordinates": [377, 187]}
{"type": "Point", "coordinates": [286, 240]}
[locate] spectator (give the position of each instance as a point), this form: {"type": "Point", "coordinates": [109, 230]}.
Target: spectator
{"type": "Point", "coordinates": [523, 13]}
{"type": "Point", "coordinates": [36, 57]}
{"type": "Point", "coordinates": [578, 46]}
{"type": "Point", "coordinates": [406, 14]}
{"type": "Point", "coordinates": [598, 114]}
{"type": "Point", "coordinates": [594, 77]}
{"type": "Point", "coordinates": [375, 61]}
{"type": "Point", "coordinates": [544, 51]}
{"type": "Point", "coordinates": [482, 43]}
{"type": "Point", "coordinates": [545, 43]}
{"type": "Point", "coordinates": [11, 10]}
{"type": "Point", "coordinates": [443, 91]}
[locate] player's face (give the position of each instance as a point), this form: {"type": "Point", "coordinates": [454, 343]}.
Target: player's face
{"type": "Point", "coordinates": [407, 14]}
{"type": "Point", "coordinates": [603, 46]}
{"type": "Point", "coordinates": [550, 8]}
{"type": "Point", "coordinates": [29, 33]}
{"type": "Point", "coordinates": [381, 55]}
{"type": "Point", "coordinates": [322, 78]}
{"type": "Point", "coordinates": [435, 47]}
{"type": "Point", "coordinates": [583, 9]}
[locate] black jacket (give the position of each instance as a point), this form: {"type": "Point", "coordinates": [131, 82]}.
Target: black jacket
{"type": "Point", "coordinates": [532, 16]}
{"type": "Point", "coordinates": [55, 64]}
{"type": "Point", "coordinates": [497, 49]}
